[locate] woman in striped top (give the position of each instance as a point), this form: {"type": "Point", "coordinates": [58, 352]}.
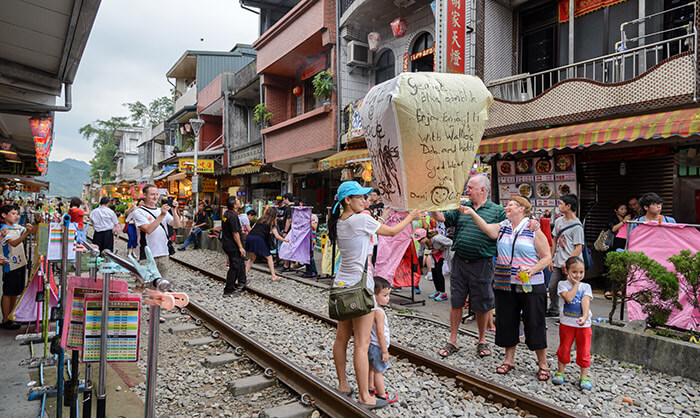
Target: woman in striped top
{"type": "Point", "coordinates": [519, 285]}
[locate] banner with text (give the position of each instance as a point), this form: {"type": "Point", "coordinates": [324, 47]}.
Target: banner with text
{"type": "Point", "coordinates": [187, 165]}
{"type": "Point", "coordinates": [428, 125]}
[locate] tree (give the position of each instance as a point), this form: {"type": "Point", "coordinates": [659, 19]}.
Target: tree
{"type": "Point", "coordinates": [101, 133]}
{"type": "Point", "coordinates": [156, 112]}
{"type": "Point", "coordinates": [687, 266]}
{"type": "Point", "coordinates": [658, 294]}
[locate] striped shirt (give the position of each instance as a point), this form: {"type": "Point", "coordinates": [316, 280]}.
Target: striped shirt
{"type": "Point", "coordinates": [525, 251]}
{"type": "Point", "coordinates": [469, 242]}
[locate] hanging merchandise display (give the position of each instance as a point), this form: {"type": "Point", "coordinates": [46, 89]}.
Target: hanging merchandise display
{"type": "Point", "coordinates": [422, 132]}
{"type": "Point", "coordinates": [373, 39]}
{"type": "Point", "coordinates": [43, 140]}
{"type": "Point", "coordinates": [542, 180]}
{"type": "Point", "coordinates": [398, 27]}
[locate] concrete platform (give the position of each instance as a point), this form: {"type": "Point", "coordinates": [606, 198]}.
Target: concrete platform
{"type": "Point", "coordinates": [14, 389]}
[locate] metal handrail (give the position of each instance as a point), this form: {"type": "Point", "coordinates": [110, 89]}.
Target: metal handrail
{"type": "Point", "coordinates": [569, 71]}
{"type": "Point", "coordinates": [623, 35]}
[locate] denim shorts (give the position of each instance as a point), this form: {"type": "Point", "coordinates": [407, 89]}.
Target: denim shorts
{"type": "Point", "coordinates": [375, 358]}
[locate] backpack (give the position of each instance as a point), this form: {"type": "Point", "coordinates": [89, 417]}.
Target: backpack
{"type": "Point", "coordinates": [586, 254]}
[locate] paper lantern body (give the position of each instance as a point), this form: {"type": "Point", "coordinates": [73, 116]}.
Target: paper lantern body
{"type": "Point", "coordinates": [373, 39]}
{"type": "Point", "coordinates": [296, 91]}
{"type": "Point", "coordinates": [423, 131]}
{"type": "Point", "coordinates": [398, 27]}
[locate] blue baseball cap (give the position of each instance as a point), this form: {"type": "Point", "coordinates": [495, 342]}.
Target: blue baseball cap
{"type": "Point", "coordinates": [350, 188]}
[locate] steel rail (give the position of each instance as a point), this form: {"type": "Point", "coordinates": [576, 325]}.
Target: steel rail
{"type": "Point", "coordinates": [312, 390]}
{"type": "Point", "coordinates": [492, 391]}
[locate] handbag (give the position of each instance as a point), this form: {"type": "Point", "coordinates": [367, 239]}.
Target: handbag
{"type": "Point", "coordinates": [125, 228]}
{"type": "Point", "coordinates": [502, 272]}
{"type": "Point", "coordinates": [585, 251]}
{"type": "Point", "coordinates": [347, 302]}
{"type": "Point", "coordinates": [604, 241]}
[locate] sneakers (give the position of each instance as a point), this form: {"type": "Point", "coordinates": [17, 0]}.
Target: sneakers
{"type": "Point", "coordinates": [429, 276]}
{"type": "Point", "coordinates": [443, 296]}
{"type": "Point", "coordinates": [397, 289]}
{"type": "Point", "coordinates": [180, 249]}
{"type": "Point", "coordinates": [585, 384]}
{"type": "Point", "coordinates": [416, 290]}
{"type": "Point", "coordinates": [551, 314]}
{"type": "Point", "coordinates": [11, 325]}
{"type": "Point", "coordinates": [434, 295]}
{"type": "Point", "coordinates": [558, 378]}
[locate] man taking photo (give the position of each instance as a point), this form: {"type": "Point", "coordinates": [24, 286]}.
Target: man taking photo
{"type": "Point", "coordinates": [153, 222]}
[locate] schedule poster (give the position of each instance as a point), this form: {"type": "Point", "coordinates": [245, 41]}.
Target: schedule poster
{"type": "Point", "coordinates": [123, 327]}
{"type": "Point", "coordinates": [74, 320]}
{"type": "Point", "coordinates": [541, 180]}
{"type": "Point", "coordinates": [55, 241]}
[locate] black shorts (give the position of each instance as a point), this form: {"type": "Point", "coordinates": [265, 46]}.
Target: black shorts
{"type": "Point", "coordinates": [104, 240]}
{"type": "Point", "coordinates": [13, 282]}
{"type": "Point", "coordinates": [533, 305]}
{"type": "Point", "coordinates": [475, 279]}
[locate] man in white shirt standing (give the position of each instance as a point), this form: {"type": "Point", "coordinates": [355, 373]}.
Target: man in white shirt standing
{"type": "Point", "coordinates": [154, 223]}
{"type": "Point", "coordinates": [103, 221]}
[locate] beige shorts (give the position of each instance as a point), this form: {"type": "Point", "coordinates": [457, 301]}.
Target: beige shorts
{"type": "Point", "coordinates": [163, 264]}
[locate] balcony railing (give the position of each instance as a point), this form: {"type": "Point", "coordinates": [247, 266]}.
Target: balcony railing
{"type": "Point", "coordinates": [187, 99]}
{"type": "Point", "coordinates": [613, 68]}
{"type": "Point", "coordinates": [344, 6]}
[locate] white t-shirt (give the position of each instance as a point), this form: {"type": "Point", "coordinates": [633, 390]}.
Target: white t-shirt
{"type": "Point", "coordinates": [373, 339]}
{"type": "Point", "coordinates": [354, 245]}
{"type": "Point", "coordinates": [245, 223]}
{"type": "Point", "coordinates": [570, 312]}
{"type": "Point", "coordinates": [157, 240]}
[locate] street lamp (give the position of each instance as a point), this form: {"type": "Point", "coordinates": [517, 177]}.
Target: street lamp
{"type": "Point", "coordinates": [196, 128]}
{"type": "Point", "coordinates": [100, 182]}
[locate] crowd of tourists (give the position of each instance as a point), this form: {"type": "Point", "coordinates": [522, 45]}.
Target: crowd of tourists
{"type": "Point", "coordinates": [500, 261]}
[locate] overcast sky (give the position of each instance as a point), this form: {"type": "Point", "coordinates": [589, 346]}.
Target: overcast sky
{"type": "Point", "coordinates": [132, 45]}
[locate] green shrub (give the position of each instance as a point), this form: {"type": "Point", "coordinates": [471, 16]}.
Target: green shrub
{"type": "Point", "coordinates": [660, 293]}
{"type": "Point", "coordinates": [687, 265]}
{"type": "Point", "coordinates": [323, 84]}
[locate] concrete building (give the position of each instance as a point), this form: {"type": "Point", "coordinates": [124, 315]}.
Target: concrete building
{"type": "Point", "coordinates": [126, 140]}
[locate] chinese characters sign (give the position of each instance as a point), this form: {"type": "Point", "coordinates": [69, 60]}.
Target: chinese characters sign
{"type": "Point", "coordinates": [456, 30]}
{"type": "Point", "coordinates": [187, 165]}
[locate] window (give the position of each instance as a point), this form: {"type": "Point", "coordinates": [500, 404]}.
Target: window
{"type": "Point", "coordinates": [385, 67]}
{"type": "Point", "coordinates": [311, 102]}
{"type": "Point", "coordinates": [425, 63]}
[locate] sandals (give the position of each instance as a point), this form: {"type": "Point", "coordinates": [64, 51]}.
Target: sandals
{"type": "Point", "coordinates": [543, 375]}
{"type": "Point", "coordinates": [504, 368]}
{"type": "Point", "coordinates": [381, 403]}
{"type": "Point", "coordinates": [390, 398]}
{"type": "Point", "coordinates": [558, 378]}
{"type": "Point", "coordinates": [482, 350]}
{"type": "Point", "coordinates": [608, 295]}
{"type": "Point", "coordinates": [448, 349]}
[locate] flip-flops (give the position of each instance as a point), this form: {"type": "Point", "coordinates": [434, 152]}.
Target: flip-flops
{"type": "Point", "coordinates": [347, 392]}
{"type": "Point", "coordinates": [449, 349]}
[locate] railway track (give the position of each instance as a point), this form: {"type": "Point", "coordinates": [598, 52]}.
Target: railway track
{"type": "Point", "coordinates": [489, 390]}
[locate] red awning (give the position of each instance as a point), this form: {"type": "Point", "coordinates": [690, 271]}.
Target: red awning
{"type": "Point", "coordinates": [662, 125]}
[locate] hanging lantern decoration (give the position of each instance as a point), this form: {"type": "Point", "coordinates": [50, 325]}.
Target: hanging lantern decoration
{"type": "Point", "coordinates": [367, 172]}
{"type": "Point", "coordinates": [398, 27]}
{"type": "Point", "coordinates": [296, 91]}
{"type": "Point", "coordinates": [373, 39]}
{"type": "Point", "coordinates": [43, 140]}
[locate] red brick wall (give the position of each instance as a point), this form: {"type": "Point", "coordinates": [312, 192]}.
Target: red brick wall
{"type": "Point", "coordinates": [212, 129]}
{"type": "Point", "coordinates": [306, 137]}
{"type": "Point", "coordinates": [305, 19]}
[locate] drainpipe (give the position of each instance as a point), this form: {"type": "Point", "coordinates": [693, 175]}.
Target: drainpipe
{"type": "Point", "coordinates": [337, 72]}
{"type": "Point", "coordinates": [571, 31]}
{"type": "Point", "coordinates": [262, 137]}
{"type": "Point", "coordinates": [34, 109]}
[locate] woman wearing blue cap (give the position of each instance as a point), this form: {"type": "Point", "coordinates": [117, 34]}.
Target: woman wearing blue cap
{"type": "Point", "coordinates": [351, 230]}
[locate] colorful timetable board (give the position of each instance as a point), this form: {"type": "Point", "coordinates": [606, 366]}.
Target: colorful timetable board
{"type": "Point", "coordinates": [123, 327]}
{"type": "Point", "coordinates": [78, 287]}
{"type": "Point", "coordinates": [55, 245]}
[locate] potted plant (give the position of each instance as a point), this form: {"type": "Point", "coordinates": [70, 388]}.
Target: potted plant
{"type": "Point", "coordinates": [261, 115]}
{"type": "Point", "coordinates": [324, 85]}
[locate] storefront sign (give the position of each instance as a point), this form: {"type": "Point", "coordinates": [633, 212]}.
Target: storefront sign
{"type": "Point", "coordinates": [232, 182]}
{"type": "Point", "coordinates": [266, 177]}
{"type": "Point", "coordinates": [187, 165]}
{"type": "Point", "coordinates": [455, 36]}
{"type": "Point", "coordinates": [241, 193]}
{"type": "Point", "coordinates": [208, 185]}
{"type": "Point", "coordinates": [581, 7]}
{"type": "Point", "coordinates": [418, 55]}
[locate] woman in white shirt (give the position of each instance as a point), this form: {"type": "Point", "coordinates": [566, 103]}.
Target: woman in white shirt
{"type": "Point", "coordinates": [352, 230]}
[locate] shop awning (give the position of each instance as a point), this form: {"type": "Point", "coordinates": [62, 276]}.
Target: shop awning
{"type": "Point", "coordinates": [681, 123]}
{"type": "Point", "coordinates": [164, 174]}
{"type": "Point", "coordinates": [348, 156]}
{"type": "Point", "coordinates": [26, 180]}
{"type": "Point", "coordinates": [245, 169]}
{"type": "Point", "coordinates": [177, 176]}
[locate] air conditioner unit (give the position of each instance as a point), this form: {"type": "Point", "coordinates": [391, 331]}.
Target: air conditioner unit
{"type": "Point", "coordinates": [359, 54]}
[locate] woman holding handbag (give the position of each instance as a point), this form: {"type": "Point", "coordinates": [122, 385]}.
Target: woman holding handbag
{"type": "Point", "coordinates": [519, 283]}
{"type": "Point", "coordinates": [351, 298]}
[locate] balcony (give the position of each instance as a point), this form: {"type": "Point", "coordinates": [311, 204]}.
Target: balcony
{"type": "Point", "coordinates": [187, 99]}
{"type": "Point", "coordinates": [653, 76]}
{"type": "Point", "coordinates": [305, 137]}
